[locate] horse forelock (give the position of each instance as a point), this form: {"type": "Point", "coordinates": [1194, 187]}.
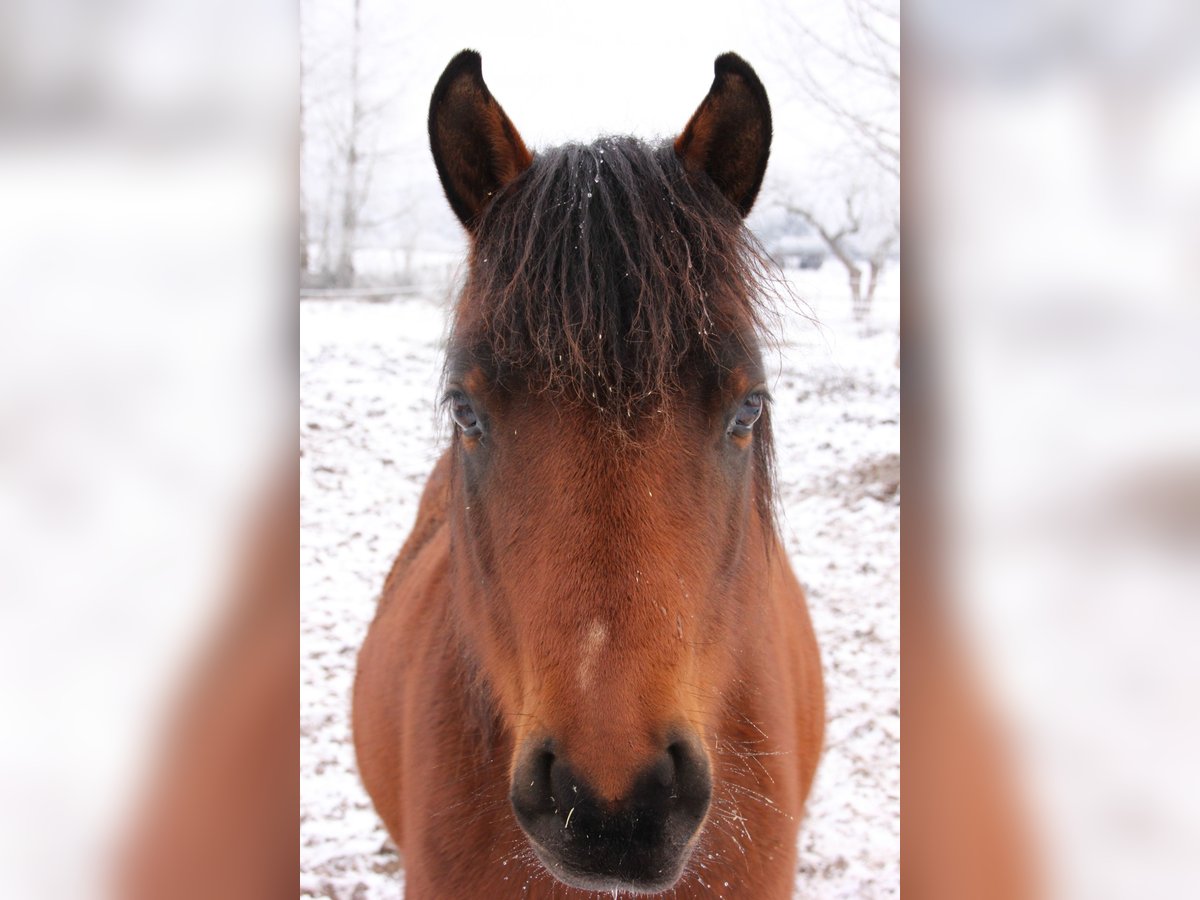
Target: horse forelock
{"type": "Point", "coordinates": [606, 270]}
{"type": "Point", "coordinates": [607, 274]}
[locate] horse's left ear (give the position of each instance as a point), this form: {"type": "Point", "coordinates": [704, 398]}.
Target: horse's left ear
{"type": "Point", "coordinates": [476, 149]}
{"type": "Point", "coordinates": [729, 135]}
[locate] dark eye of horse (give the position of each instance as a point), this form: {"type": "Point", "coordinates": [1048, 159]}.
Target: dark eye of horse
{"type": "Point", "coordinates": [748, 413]}
{"type": "Point", "coordinates": [463, 415]}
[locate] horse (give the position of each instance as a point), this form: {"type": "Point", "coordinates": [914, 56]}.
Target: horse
{"type": "Point", "coordinates": [592, 668]}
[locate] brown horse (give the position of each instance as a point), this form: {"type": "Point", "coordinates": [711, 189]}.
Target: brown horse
{"type": "Point", "coordinates": [592, 668]}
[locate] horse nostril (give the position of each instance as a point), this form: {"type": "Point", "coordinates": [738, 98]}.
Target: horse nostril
{"type": "Point", "coordinates": [532, 792]}
{"type": "Point", "coordinates": [664, 771]}
{"type": "Point", "coordinates": [677, 753]}
{"type": "Point", "coordinates": [692, 783]}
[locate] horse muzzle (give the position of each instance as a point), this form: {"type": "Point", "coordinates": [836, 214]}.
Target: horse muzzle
{"type": "Point", "coordinates": [639, 843]}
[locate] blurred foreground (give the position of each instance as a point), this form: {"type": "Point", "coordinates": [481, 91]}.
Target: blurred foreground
{"type": "Point", "coordinates": [148, 521]}
{"type": "Point", "coordinates": [1052, 534]}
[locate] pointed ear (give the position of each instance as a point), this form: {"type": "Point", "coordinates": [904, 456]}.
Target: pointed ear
{"type": "Point", "coordinates": [476, 149]}
{"type": "Point", "coordinates": [729, 135]}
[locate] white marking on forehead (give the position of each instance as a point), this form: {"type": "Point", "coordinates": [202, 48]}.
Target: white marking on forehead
{"type": "Point", "coordinates": [593, 642]}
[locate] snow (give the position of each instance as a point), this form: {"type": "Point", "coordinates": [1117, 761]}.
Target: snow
{"type": "Point", "coordinates": [370, 432]}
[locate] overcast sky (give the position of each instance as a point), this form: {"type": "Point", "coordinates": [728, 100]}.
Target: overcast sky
{"type": "Point", "coordinates": [568, 71]}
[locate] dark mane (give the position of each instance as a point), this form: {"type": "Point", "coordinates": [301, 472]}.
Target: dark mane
{"type": "Point", "coordinates": [604, 268]}
{"type": "Point", "coordinates": [605, 272]}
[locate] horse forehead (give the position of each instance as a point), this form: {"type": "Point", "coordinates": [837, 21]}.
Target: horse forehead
{"type": "Point", "coordinates": [574, 437]}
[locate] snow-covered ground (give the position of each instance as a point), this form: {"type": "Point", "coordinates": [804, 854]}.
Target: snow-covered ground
{"type": "Point", "coordinates": [369, 435]}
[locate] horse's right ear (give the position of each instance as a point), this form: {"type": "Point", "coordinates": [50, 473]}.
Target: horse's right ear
{"type": "Point", "coordinates": [476, 149]}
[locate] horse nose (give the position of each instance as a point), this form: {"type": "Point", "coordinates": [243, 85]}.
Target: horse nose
{"type": "Point", "coordinates": [676, 783]}
{"type": "Point", "coordinates": [638, 841]}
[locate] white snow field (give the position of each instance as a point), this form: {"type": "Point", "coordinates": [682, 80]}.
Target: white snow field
{"type": "Point", "coordinates": [369, 435]}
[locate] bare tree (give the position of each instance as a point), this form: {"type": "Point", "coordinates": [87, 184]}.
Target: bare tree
{"type": "Point", "coordinates": [860, 224]}
{"type": "Point", "coordinates": [322, 93]}
{"type": "Point", "coordinates": [849, 70]}
{"type": "Point", "coordinates": [854, 76]}
{"type": "Point", "coordinates": [303, 211]}
{"type": "Point", "coordinates": [351, 191]}
{"type": "Point", "coordinates": [352, 196]}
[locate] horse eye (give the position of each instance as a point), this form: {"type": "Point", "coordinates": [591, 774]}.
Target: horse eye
{"type": "Point", "coordinates": [748, 413]}
{"type": "Point", "coordinates": [464, 416]}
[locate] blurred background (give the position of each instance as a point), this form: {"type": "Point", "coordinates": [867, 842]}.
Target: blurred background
{"type": "Point", "coordinates": [1053, 226]}
{"type": "Point", "coordinates": [147, 417]}
{"type": "Point", "coordinates": [373, 218]}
